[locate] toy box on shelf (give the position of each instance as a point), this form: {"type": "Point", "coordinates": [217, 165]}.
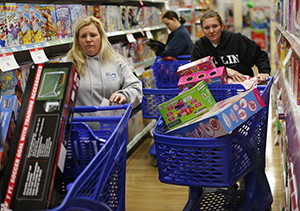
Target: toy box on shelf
{"type": "Point", "coordinates": [214, 76]}
{"type": "Point", "coordinates": [9, 108]}
{"type": "Point", "coordinates": [205, 63]}
{"type": "Point", "coordinates": [187, 105]}
{"type": "Point", "coordinates": [223, 117]}
{"type": "Point", "coordinates": [39, 141]}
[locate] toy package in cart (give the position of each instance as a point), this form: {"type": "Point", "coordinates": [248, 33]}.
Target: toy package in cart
{"type": "Point", "coordinates": [223, 117]}
{"type": "Point", "coordinates": [214, 76]}
{"type": "Point", "coordinates": [205, 63]}
{"type": "Point", "coordinates": [40, 137]}
{"type": "Point", "coordinates": [187, 105]}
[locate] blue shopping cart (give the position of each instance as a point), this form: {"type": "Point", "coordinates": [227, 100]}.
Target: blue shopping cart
{"type": "Point", "coordinates": [166, 79]}
{"type": "Point", "coordinates": [96, 161]}
{"type": "Point", "coordinates": [210, 167]}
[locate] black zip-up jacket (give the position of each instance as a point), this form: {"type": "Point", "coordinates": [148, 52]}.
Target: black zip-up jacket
{"type": "Point", "coordinates": [234, 51]}
{"type": "Point", "coordinates": [178, 43]}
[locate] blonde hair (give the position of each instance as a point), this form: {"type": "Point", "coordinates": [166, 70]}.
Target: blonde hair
{"type": "Point", "coordinates": [78, 56]}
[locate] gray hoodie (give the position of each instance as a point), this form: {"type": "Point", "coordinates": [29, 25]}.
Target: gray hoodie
{"type": "Point", "coordinates": [101, 81]}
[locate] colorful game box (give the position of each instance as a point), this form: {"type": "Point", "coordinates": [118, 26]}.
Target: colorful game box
{"type": "Point", "coordinates": [187, 105]}
{"type": "Point", "coordinates": [25, 29]}
{"type": "Point", "coordinates": [9, 108]}
{"type": "Point", "coordinates": [2, 26]}
{"type": "Point", "coordinates": [63, 21]}
{"type": "Point", "coordinates": [12, 83]}
{"type": "Point", "coordinates": [41, 134]}
{"type": "Point", "coordinates": [12, 30]}
{"type": "Point", "coordinates": [90, 10]}
{"type": "Point", "coordinates": [213, 76]}
{"type": "Point", "coordinates": [112, 18]}
{"type": "Point", "coordinates": [48, 22]}
{"type": "Point", "coordinates": [148, 79]}
{"type": "Point", "coordinates": [223, 117]}
{"type": "Point", "coordinates": [205, 63]}
{"type": "Point", "coordinates": [35, 22]}
{"type": "Point", "coordinates": [123, 18]}
{"type": "Point", "coordinates": [76, 14]}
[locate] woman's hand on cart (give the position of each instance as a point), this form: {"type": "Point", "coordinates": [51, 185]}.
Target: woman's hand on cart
{"type": "Point", "coordinates": [117, 98]}
{"type": "Point", "coordinates": [262, 77]}
{"type": "Point", "coordinates": [236, 76]}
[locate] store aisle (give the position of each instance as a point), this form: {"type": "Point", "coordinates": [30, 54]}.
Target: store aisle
{"type": "Point", "coordinates": [144, 192]}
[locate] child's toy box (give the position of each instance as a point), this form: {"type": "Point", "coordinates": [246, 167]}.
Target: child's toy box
{"type": "Point", "coordinates": [148, 79]}
{"type": "Point", "coordinates": [12, 31]}
{"type": "Point", "coordinates": [12, 83]}
{"type": "Point", "coordinates": [3, 26]}
{"type": "Point", "coordinates": [9, 110]}
{"type": "Point", "coordinates": [187, 105]}
{"type": "Point", "coordinates": [214, 76]}
{"type": "Point", "coordinates": [205, 63]}
{"type": "Point", "coordinates": [48, 22]}
{"type": "Point", "coordinates": [25, 29]}
{"type": "Point", "coordinates": [63, 21]}
{"type": "Point", "coordinates": [40, 136]}
{"type": "Point", "coordinates": [223, 117]}
{"type": "Point", "coordinates": [35, 22]}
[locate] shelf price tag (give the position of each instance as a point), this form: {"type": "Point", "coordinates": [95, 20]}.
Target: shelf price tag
{"type": "Point", "coordinates": [139, 69]}
{"type": "Point", "coordinates": [130, 38]}
{"type": "Point", "coordinates": [149, 34]}
{"type": "Point", "coordinates": [8, 62]}
{"type": "Point", "coordinates": [38, 55]}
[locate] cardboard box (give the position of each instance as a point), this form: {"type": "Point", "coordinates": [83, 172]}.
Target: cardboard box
{"type": "Point", "coordinates": [187, 105]}
{"type": "Point", "coordinates": [205, 63]}
{"type": "Point", "coordinates": [9, 112]}
{"type": "Point", "coordinates": [148, 79]}
{"type": "Point", "coordinates": [223, 117]}
{"type": "Point", "coordinates": [214, 76]}
{"type": "Point", "coordinates": [40, 136]}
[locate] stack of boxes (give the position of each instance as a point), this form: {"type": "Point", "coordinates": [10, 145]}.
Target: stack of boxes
{"type": "Point", "coordinates": [194, 112]}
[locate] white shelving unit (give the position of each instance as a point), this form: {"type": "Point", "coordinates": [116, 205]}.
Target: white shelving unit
{"type": "Point", "coordinates": [290, 143]}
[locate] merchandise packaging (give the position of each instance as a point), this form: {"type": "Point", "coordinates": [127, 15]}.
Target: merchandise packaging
{"type": "Point", "coordinates": [205, 63]}
{"type": "Point", "coordinates": [222, 118]}
{"type": "Point", "coordinates": [213, 76]}
{"type": "Point", "coordinates": [9, 108]}
{"type": "Point", "coordinates": [38, 147]}
{"type": "Point", "coordinates": [187, 105]}
{"type": "Point", "coordinates": [148, 79]}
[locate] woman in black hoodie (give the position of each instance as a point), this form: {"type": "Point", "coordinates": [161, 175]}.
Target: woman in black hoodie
{"type": "Point", "coordinates": [233, 50]}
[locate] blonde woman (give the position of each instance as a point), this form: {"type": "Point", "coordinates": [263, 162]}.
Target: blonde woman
{"type": "Point", "coordinates": [104, 73]}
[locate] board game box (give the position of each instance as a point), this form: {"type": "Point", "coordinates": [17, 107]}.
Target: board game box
{"type": "Point", "coordinates": [40, 136]}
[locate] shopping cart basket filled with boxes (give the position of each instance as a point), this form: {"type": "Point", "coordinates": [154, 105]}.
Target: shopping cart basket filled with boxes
{"type": "Point", "coordinates": [224, 173]}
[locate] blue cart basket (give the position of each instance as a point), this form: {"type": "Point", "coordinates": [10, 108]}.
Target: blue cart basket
{"type": "Point", "coordinates": [165, 71]}
{"type": "Point", "coordinates": [96, 161]}
{"type": "Point", "coordinates": [211, 166]}
{"type": "Point", "coordinates": [153, 97]}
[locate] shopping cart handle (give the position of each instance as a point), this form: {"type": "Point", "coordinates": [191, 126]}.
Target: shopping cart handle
{"type": "Point", "coordinates": [184, 57]}
{"type": "Point", "coordinates": [99, 108]}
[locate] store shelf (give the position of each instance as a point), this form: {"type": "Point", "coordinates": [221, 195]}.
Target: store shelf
{"type": "Point", "coordinates": [292, 39]}
{"type": "Point", "coordinates": [140, 136]}
{"type": "Point", "coordinates": [61, 47]}
{"type": "Point", "coordinates": [96, 2]}
{"type": "Point", "coordinates": [292, 117]}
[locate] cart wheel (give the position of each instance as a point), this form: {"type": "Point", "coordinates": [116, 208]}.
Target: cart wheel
{"type": "Point", "coordinates": [153, 160]}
